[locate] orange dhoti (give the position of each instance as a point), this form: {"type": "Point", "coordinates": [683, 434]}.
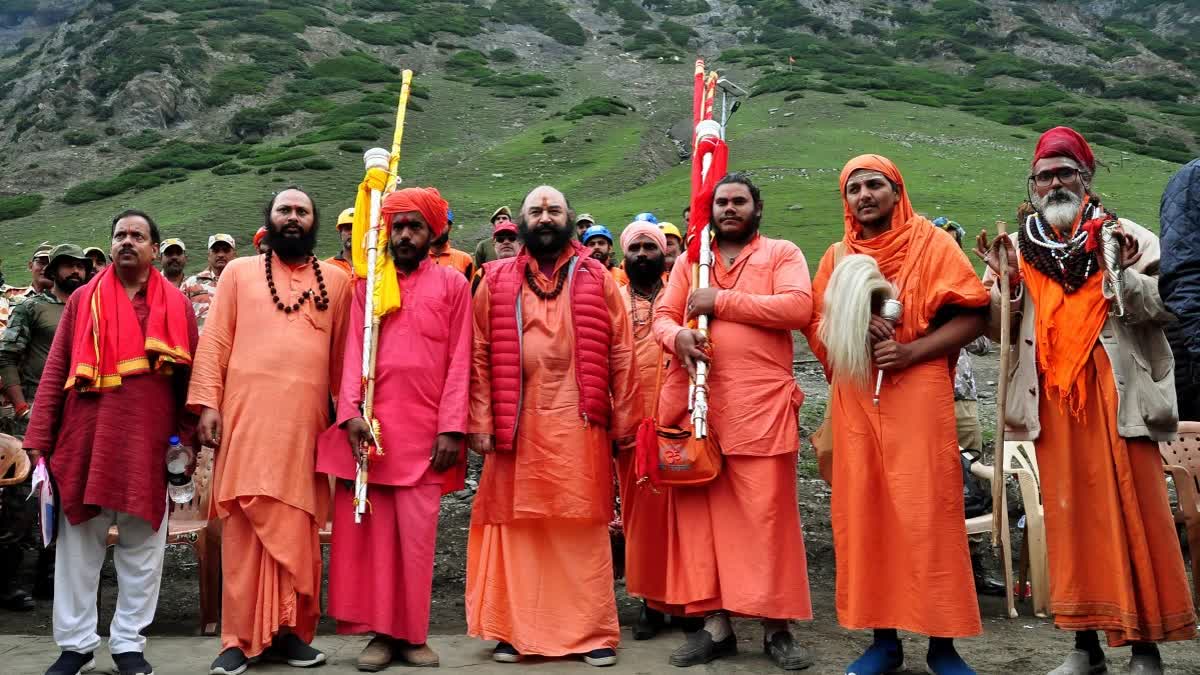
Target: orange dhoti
{"type": "Point", "coordinates": [899, 533]}
{"type": "Point", "coordinates": [271, 563]}
{"type": "Point", "coordinates": [1115, 561]}
{"type": "Point", "coordinates": [735, 544]}
{"type": "Point", "coordinates": [644, 517]}
{"type": "Point", "coordinates": [543, 585]}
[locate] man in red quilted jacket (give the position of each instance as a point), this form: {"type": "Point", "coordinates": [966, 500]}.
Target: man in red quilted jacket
{"type": "Point", "coordinates": [553, 386]}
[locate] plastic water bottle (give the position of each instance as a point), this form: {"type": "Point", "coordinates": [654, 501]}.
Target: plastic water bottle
{"type": "Point", "coordinates": [179, 484]}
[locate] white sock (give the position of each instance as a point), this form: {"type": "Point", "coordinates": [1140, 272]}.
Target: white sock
{"type": "Point", "coordinates": [718, 626]}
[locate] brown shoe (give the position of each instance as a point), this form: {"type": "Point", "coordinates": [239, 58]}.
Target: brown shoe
{"type": "Point", "coordinates": [377, 655]}
{"type": "Point", "coordinates": [420, 656]}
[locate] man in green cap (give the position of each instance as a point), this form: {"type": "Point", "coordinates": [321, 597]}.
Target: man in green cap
{"type": "Point", "coordinates": [23, 350]}
{"type": "Point", "coordinates": [26, 340]}
{"type": "Point", "coordinates": [485, 250]}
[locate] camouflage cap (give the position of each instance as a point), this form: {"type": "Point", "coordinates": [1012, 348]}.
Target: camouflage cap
{"type": "Point", "coordinates": [66, 251]}
{"type": "Point", "coordinates": [42, 251]}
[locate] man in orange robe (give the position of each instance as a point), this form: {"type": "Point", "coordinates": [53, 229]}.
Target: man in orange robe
{"type": "Point", "coordinates": [269, 360]}
{"type": "Point", "coordinates": [898, 530]}
{"type": "Point", "coordinates": [643, 508]}
{"type": "Point", "coordinates": [553, 386]}
{"type": "Point", "coordinates": [1095, 393]}
{"type": "Point", "coordinates": [734, 546]}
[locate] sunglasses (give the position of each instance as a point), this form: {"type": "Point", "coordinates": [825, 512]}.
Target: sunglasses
{"type": "Point", "coordinates": [506, 238]}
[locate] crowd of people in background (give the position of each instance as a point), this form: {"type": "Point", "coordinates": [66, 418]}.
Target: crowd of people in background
{"type": "Point", "coordinates": [546, 353]}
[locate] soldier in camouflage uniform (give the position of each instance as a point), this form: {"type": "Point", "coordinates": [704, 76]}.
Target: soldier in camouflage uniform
{"type": "Point", "coordinates": [23, 350]}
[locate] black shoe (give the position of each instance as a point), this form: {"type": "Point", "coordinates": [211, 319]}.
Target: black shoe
{"type": "Point", "coordinates": [985, 586]}
{"type": "Point", "coordinates": [294, 651]}
{"type": "Point", "coordinates": [232, 661]}
{"type": "Point", "coordinates": [16, 600]}
{"type": "Point", "coordinates": [700, 648]}
{"type": "Point", "coordinates": [505, 653]}
{"type": "Point", "coordinates": [132, 663]}
{"type": "Point", "coordinates": [72, 663]}
{"type": "Point", "coordinates": [601, 657]}
{"type": "Point", "coordinates": [648, 624]}
{"type": "Point", "coordinates": [785, 652]}
{"type": "Point", "coordinates": [688, 624]}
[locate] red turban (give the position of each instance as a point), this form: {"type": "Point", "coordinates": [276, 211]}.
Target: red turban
{"type": "Point", "coordinates": [258, 236]}
{"type": "Point", "coordinates": [1065, 142]}
{"type": "Point", "coordinates": [427, 201]}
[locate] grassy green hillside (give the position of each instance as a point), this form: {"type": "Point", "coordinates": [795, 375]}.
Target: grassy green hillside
{"type": "Point", "coordinates": [969, 168]}
{"type": "Point", "coordinates": [197, 110]}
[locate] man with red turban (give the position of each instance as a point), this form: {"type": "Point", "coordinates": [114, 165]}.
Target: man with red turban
{"type": "Point", "coordinates": [898, 530]}
{"type": "Point", "coordinates": [1095, 392]}
{"type": "Point", "coordinates": [381, 570]}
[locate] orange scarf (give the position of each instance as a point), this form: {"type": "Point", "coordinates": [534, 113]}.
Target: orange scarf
{"type": "Point", "coordinates": [108, 343]}
{"type": "Point", "coordinates": [1067, 327]}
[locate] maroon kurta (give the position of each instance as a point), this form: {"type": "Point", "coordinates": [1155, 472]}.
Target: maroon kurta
{"type": "Point", "coordinates": [109, 448]}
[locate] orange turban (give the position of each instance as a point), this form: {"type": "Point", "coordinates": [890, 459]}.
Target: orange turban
{"type": "Point", "coordinates": [258, 236]}
{"type": "Point", "coordinates": [427, 201]}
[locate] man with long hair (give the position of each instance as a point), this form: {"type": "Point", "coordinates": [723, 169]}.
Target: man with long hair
{"type": "Point", "coordinates": [270, 358]}
{"type": "Point", "coordinates": [735, 544]}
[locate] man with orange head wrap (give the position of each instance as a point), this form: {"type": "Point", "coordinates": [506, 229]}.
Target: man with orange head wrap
{"type": "Point", "coordinates": [422, 374]}
{"type": "Point", "coordinates": [897, 505]}
{"type": "Point", "coordinates": [1095, 392]}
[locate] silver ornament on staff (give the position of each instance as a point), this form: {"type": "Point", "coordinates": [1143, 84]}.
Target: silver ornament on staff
{"type": "Point", "coordinates": [890, 312]}
{"type": "Point", "coordinates": [1113, 284]}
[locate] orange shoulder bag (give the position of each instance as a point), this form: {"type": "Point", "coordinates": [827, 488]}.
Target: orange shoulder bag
{"type": "Point", "coordinates": [670, 456]}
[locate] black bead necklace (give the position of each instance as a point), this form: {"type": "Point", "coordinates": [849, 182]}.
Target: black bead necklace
{"type": "Point", "coordinates": [537, 290]}
{"type": "Point", "coordinates": [321, 303]}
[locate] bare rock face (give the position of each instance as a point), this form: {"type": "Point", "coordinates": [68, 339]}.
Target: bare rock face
{"type": "Point", "coordinates": [23, 19]}
{"type": "Point", "coordinates": [153, 101]}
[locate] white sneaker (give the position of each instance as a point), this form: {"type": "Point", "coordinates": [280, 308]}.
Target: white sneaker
{"type": "Point", "coordinates": [1078, 663]}
{"type": "Point", "coordinates": [1141, 664]}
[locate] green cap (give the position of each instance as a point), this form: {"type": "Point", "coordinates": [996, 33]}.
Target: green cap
{"type": "Point", "coordinates": [66, 251]}
{"type": "Point", "coordinates": [43, 249]}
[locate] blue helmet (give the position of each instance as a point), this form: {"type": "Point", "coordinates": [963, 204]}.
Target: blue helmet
{"type": "Point", "coordinates": [647, 216]}
{"type": "Point", "coordinates": [449, 214]}
{"type": "Point", "coordinates": [597, 231]}
{"type": "Point", "coordinates": [941, 221]}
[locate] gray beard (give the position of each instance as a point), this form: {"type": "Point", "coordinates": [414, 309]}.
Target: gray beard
{"type": "Point", "coordinates": [1059, 214]}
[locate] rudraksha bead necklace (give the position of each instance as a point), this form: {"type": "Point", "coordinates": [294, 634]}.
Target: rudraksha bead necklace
{"type": "Point", "coordinates": [321, 303]}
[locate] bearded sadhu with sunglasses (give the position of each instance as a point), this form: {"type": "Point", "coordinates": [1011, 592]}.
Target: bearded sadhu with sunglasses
{"type": "Point", "coordinates": [1095, 393]}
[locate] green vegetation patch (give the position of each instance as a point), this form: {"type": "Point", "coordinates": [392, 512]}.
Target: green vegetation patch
{"type": "Point", "coordinates": [146, 139]}
{"type": "Point", "coordinates": [354, 66]}
{"type": "Point", "coordinates": [19, 206]}
{"type": "Point", "coordinates": [275, 155]}
{"type": "Point", "coordinates": [320, 86]}
{"type": "Point", "coordinates": [229, 169]}
{"type": "Point", "coordinates": [80, 138]}
{"type": "Point", "coordinates": [679, 7]}
{"type": "Point", "coordinates": [354, 131]}
{"type": "Point", "coordinates": [236, 80]}
{"type": "Point", "coordinates": [547, 16]}
{"type": "Point", "coordinates": [597, 106]}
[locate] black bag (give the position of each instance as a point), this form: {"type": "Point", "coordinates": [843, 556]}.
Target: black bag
{"type": "Point", "coordinates": [976, 500]}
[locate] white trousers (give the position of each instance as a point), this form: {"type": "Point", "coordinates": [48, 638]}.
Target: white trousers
{"type": "Point", "coordinates": [138, 558]}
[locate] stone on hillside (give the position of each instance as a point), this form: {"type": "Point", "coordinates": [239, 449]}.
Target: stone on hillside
{"type": "Point", "coordinates": [154, 101]}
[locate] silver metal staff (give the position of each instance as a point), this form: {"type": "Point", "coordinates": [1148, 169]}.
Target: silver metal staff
{"type": "Point", "coordinates": [890, 312]}
{"type": "Point", "coordinates": [1114, 283]}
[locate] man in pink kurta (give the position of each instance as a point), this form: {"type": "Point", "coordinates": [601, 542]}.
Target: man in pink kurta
{"type": "Point", "coordinates": [381, 569]}
{"type": "Point", "coordinates": [269, 359]}
{"type": "Point", "coordinates": [734, 546]}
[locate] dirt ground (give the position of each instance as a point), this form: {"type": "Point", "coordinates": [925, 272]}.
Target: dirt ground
{"type": "Point", "coordinates": [1022, 645]}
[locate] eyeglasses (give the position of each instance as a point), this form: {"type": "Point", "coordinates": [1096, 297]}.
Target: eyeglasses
{"type": "Point", "coordinates": [1064, 174]}
{"type": "Point", "coordinates": [505, 238]}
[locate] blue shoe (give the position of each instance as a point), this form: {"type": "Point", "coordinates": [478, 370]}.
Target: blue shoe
{"type": "Point", "coordinates": [883, 656]}
{"type": "Point", "coordinates": [946, 662]}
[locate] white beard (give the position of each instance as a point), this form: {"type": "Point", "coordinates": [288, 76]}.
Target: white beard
{"type": "Point", "coordinates": [1060, 215]}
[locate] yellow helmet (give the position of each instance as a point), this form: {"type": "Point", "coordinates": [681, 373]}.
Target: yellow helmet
{"type": "Point", "coordinates": [670, 230]}
{"type": "Point", "coordinates": [346, 217]}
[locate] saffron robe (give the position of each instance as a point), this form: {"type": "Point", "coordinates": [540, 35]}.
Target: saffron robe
{"type": "Point", "coordinates": [422, 376]}
{"type": "Point", "coordinates": [736, 543]}
{"type": "Point", "coordinates": [539, 562]}
{"type": "Point", "coordinates": [270, 375]}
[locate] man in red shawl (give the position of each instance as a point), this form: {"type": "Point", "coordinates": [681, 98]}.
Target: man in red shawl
{"type": "Point", "coordinates": [1095, 392]}
{"type": "Point", "coordinates": [381, 570]}
{"type": "Point", "coordinates": [111, 395]}
{"type": "Point", "coordinates": [897, 507]}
